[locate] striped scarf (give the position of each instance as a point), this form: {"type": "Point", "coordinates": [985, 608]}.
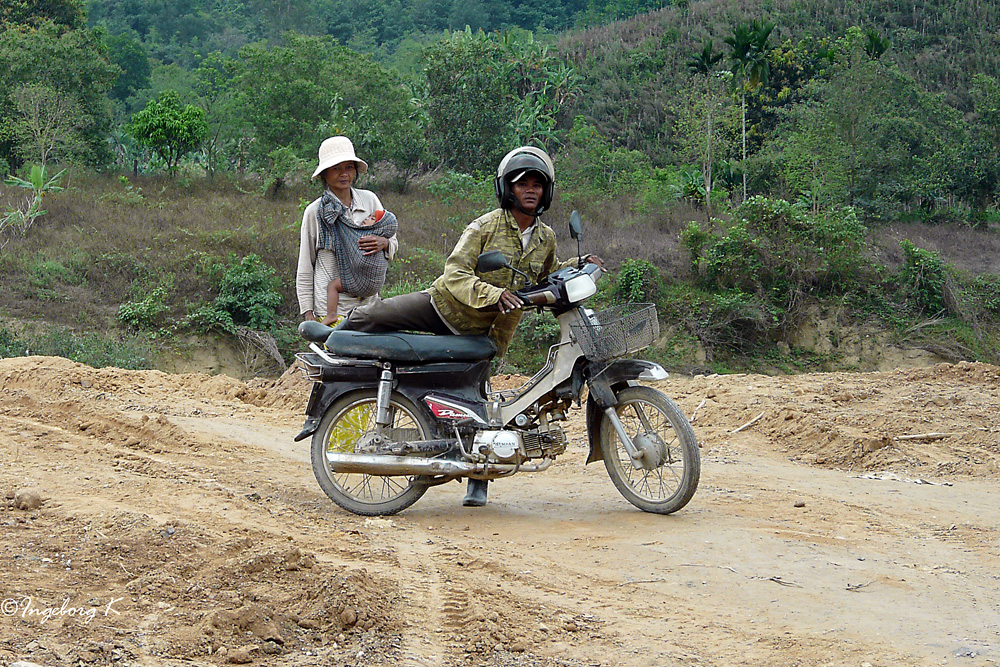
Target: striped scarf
{"type": "Point", "coordinates": [361, 275]}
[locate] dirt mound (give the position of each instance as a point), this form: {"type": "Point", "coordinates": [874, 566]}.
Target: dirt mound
{"type": "Point", "coordinates": [933, 420]}
{"type": "Point", "coordinates": [152, 518]}
{"type": "Point", "coordinates": [290, 391]}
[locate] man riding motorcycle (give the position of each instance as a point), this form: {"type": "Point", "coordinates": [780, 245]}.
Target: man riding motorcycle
{"type": "Point", "coordinates": [465, 302]}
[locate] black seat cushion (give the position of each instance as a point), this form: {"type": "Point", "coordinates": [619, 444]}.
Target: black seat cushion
{"type": "Point", "coordinates": [314, 331]}
{"type": "Point", "coordinates": [409, 347]}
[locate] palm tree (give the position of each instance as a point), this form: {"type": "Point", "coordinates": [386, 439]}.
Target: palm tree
{"type": "Point", "coordinates": [702, 64]}
{"type": "Point", "coordinates": [875, 44]}
{"type": "Point", "coordinates": [750, 67]}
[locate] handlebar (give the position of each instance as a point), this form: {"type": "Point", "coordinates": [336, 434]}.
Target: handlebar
{"type": "Point", "coordinates": [536, 299]}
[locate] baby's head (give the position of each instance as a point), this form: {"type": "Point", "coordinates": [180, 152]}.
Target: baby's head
{"type": "Point", "coordinates": [374, 217]}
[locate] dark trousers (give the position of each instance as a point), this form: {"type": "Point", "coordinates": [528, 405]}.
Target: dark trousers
{"type": "Point", "coordinates": [406, 312]}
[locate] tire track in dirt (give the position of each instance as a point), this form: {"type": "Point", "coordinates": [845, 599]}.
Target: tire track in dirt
{"type": "Point", "coordinates": [423, 587]}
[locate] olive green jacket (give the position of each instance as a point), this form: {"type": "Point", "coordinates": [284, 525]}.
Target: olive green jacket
{"type": "Point", "coordinates": [466, 299]}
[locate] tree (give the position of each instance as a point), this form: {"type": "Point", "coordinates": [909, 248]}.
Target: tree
{"type": "Point", "coordinates": [169, 128]}
{"type": "Point", "coordinates": [470, 102]}
{"type": "Point", "coordinates": [69, 13]}
{"type": "Point", "coordinates": [589, 161]}
{"type": "Point", "coordinates": [542, 84]}
{"type": "Point", "coordinates": [867, 135]}
{"type": "Point", "coordinates": [49, 122]}
{"type": "Point", "coordinates": [749, 64]}
{"type": "Point", "coordinates": [986, 98]}
{"type": "Point", "coordinates": [216, 95]}
{"type": "Point", "coordinates": [703, 64]}
{"type": "Point", "coordinates": [296, 95]}
{"type": "Point", "coordinates": [875, 44]}
{"type": "Point", "coordinates": [128, 53]}
{"type": "Point", "coordinates": [70, 62]}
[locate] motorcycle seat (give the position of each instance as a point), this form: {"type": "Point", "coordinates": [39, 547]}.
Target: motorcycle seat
{"type": "Point", "coordinates": [409, 347]}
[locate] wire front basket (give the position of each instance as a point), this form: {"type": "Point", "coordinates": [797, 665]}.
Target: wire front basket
{"type": "Point", "coordinates": [617, 331]}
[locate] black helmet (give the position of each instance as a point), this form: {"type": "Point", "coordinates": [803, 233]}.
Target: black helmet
{"type": "Point", "coordinates": [514, 165]}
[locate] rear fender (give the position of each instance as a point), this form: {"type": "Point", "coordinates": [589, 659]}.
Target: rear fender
{"type": "Point", "coordinates": [323, 395]}
{"type": "Point", "coordinates": [604, 387]}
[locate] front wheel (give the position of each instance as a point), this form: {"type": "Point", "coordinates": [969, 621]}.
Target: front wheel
{"type": "Point", "coordinates": [348, 424]}
{"type": "Point", "coordinates": [669, 479]}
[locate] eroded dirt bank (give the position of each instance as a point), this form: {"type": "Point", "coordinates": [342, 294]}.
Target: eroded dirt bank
{"type": "Point", "coordinates": [855, 521]}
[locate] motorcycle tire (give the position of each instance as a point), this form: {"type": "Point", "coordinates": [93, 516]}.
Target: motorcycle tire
{"type": "Point", "coordinates": [346, 423]}
{"type": "Point", "coordinates": [669, 486]}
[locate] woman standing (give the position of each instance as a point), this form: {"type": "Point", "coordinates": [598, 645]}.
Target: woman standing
{"type": "Point", "coordinates": [338, 167]}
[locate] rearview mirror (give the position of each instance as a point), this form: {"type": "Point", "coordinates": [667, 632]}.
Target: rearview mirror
{"type": "Point", "coordinates": [575, 226]}
{"type": "Point", "coordinates": [491, 261]}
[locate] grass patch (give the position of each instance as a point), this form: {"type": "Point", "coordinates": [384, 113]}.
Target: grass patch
{"type": "Point", "coordinates": [92, 349]}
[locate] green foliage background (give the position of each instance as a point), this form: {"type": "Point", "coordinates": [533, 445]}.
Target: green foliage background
{"type": "Point", "coordinates": [864, 135]}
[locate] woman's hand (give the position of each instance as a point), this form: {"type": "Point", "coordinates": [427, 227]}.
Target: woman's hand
{"type": "Point", "coordinates": [372, 244]}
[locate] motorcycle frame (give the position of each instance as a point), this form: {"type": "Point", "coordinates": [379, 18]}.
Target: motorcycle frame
{"type": "Point", "coordinates": [560, 364]}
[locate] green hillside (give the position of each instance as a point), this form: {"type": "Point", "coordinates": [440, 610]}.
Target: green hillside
{"type": "Point", "coordinates": [741, 165]}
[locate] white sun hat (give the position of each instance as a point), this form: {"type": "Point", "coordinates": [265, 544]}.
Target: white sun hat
{"type": "Point", "coordinates": [336, 150]}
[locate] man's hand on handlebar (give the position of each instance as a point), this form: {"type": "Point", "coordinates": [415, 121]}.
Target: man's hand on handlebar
{"type": "Point", "coordinates": [509, 301]}
{"type": "Point", "coordinates": [594, 259]}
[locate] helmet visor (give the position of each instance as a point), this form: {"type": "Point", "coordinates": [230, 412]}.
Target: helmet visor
{"type": "Point", "coordinates": [524, 172]}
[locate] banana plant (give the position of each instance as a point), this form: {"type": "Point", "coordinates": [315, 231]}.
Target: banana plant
{"type": "Point", "coordinates": [38, 181]}
{"type": "Point", "coordinates": [17, 221]}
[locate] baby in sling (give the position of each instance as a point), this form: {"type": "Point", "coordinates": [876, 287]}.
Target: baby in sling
{"type": "Point", "coordinates": [358, 274]}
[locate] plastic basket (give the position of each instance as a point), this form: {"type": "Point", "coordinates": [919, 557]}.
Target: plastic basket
{"type": "Point", "coordinates": [617, 331]}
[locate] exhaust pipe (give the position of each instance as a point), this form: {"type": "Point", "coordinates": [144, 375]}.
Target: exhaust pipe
{"type": "Point", "coordinates": [387, 466]}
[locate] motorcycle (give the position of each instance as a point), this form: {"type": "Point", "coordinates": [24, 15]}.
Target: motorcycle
{"type": "Point", "coordinates": [393, 414]}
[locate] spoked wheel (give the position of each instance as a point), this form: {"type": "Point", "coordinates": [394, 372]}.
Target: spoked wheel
{"type": "Point", "coordinates": [346, 427]}
{"type": "Point", "coordinates": [671, 464]}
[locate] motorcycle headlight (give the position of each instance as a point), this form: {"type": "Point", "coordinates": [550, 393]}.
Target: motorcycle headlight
{"type": "Point", "coordinates": [579, 288]}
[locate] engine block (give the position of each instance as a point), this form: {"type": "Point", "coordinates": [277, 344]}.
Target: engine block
{"type": "Point", "coordinates": [548, 442]}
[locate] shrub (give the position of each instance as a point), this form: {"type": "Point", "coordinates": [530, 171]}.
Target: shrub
{"type": "Point", "coordinates": [661, 189]}
{"type": "Point", "coordinates": [638, 282]}
{"type": "Point", "coordinates": [15, 222]}
{"type": "Point", "coordinates": [94, 349]}
{"type": "Point", "coordinates": [780, 251]}
{"type": "Point", "coordinates": [10, 346]}
{"type": "Point", "coordinates": [734, 321]}
{"type": "Point", "coordinates": [248, 293]}
{"type": "Point", "coordinates": [453, 185]}
{"type": "Point", "coordinates": [694, 238]}
{"type": "Point", "coordinates": [589, 163]}
{"type": "Point", "coordinates": [209, 318]}
{"type": "Point", "coordinates": [147, 311]}
{"type": "Point", "coordinates": [923, 275]}
{"type": "Point", "coordinates": [46, 273]}
{"type": "Point", "coordinates": [984, 293]}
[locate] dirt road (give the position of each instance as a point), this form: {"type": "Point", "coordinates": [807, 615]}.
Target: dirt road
{"type": "Point", "coordinates": [856, 522]}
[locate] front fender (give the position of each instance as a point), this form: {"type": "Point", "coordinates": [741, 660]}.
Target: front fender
{"type": "Point", "coordinates": [603, 388]}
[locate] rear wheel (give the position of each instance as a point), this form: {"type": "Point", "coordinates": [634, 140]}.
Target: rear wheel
{"type": "Point", "coordinates": [671, 465]}
{"type": "Point", "coordinates": [346, 426]}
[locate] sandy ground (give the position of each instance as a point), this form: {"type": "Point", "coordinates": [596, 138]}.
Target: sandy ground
{"type": "Point", "coordinates": [856, 522]}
